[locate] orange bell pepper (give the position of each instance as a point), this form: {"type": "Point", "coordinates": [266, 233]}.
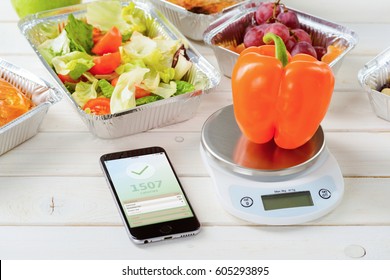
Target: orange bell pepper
{"type": "Point", "coordinates": [279, 97]}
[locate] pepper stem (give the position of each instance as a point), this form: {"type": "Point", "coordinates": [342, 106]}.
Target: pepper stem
{"type": "Point", "coordinates": [280, 47]}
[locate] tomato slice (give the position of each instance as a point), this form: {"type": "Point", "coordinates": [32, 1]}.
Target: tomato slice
{"type": "Point", "coordinates": [98, 106]}
{"type": "Point", "coordinates": [109, 43]}
{"type": "Point", "coordinates": [140, 92]}
{"type": "Point", "coordinates": [106, 63]}
{"type": "Point", "coordinates": [96, 35]}
{"type": "Point", "coordinates": [114, 81]}
{"type": "Point", "coordinates": [67, 79]}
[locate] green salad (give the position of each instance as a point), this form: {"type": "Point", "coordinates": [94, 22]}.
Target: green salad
{"type": "Point", "coordinates": [111, 61]}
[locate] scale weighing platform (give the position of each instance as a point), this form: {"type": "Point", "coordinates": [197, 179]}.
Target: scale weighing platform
{"type": "Point", "coordinates": [265, 184]}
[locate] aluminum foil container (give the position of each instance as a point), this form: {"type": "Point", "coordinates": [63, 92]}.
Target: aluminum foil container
{"type": "Point", "coordinates": [230, 29]}
{"type": "Point", "coordinates": [40, 92]}
{"type": "Point", "coordinates": [141, 118]}
{"type": "Point", "coordinates": [372, 77]}
{"type": "Point", "coordinates": [191, 24]}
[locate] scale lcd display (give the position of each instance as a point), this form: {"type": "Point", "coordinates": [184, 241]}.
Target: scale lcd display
{"type": "Point", "coordinates": [287, 200]}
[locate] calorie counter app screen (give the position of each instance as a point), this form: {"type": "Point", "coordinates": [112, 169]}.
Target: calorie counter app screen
{"type": "Point", "coordinates": [148, 190]}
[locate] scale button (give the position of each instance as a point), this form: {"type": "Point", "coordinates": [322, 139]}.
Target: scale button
{"type": "Point", "coordinates": [246, 201]}
{"type": "Point", "coordinates": [325, 194]}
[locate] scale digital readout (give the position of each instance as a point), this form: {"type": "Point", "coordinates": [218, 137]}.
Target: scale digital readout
{"type": "Point", "coordinates": [285, 200]}
{"type": "Point", "coordinates": [265, 184]}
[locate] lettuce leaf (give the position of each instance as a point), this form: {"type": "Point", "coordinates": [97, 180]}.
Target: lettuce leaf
{"type": "Point", "coordinates": [184, 87]}
{"type": "Point", "coordinates": [157, 54]}
{"type": "Point", "coordinates": [84, 91]}
{"type": "Point", "coordinates": [165, 90]}
{"type": "Point", "coordinates": [167, 74]}
{"type": "Point", "coordinates": [106, 88]}
{"type": "Point", "coordinates": [147, 99]}
{"type": "Point", "coordinates": [140, 46]}
{"type": "Point", "coordinates": [106, 14]}
{"type": "Point", "coordinates": [136, 18]}
{"type": "Point", "coordinates": [151, 81]}
{"type": "Point", "coordinates": [123, 97]}
{"type": "Point", "coordinates": [73, 64]}
{"type": "Point", "coordinates": [48, 30]}
{"type": "Point", "coordinates": [89, 77]}
{"type": "Point", "coordinates": [182, 67]}
{"type": "Point", "coordinates": [128, 62]}
{"type": "Point", "coordinates": [55, 47]}
{"type": "Point", "coordinates": [168, 48]}
{"type": "Point", "coordinates": [79, 34]}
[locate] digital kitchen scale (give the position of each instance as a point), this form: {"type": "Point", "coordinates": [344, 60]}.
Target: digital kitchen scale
{"type": "Point", "coordinates": [265, 184]}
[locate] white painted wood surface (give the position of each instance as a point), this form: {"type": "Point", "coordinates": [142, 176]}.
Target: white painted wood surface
{"type": "Point", "coordinates": [55, 204]}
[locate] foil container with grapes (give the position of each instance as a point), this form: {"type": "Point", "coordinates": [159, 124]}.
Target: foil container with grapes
{"type": "Point", "coordinates": [226, 34]}
{"type": "Point", "coordinates": [374, 77]}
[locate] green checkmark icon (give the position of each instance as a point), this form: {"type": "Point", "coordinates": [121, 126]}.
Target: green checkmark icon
{"type": "Point", "coordinates": [140, 172]}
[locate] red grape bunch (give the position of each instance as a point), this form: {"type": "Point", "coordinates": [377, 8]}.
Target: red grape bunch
{"type": "Point", "coordinates": [276, 18]}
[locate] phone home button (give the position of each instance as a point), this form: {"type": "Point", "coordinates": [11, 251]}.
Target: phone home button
{"type": "Point", "coordinates": [166, 229]}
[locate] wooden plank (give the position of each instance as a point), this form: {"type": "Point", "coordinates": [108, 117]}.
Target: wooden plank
{"type": "Point", "coordinates": [69, 201]}
{"type": "Point", "coordinates": [64, 154]}
{"type": "Point", "coordinates": [7, 13]}
{"type": "Point", "coordinates": [77, 154]}
{"type": "Point", "coordinates": [227, 243]}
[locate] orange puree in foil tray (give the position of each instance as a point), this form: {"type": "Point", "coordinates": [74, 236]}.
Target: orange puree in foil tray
{"type": "Point", "coordinates": [13, 103]}
{"type": "Point", "coordinates": [205, 6]}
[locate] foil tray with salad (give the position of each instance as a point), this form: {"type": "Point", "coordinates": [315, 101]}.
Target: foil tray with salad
{"type": "Point", "coordinates": [112, 57]}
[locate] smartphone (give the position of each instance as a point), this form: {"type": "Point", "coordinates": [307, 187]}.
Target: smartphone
{"type": "Point", "coordinates": [149, 195]}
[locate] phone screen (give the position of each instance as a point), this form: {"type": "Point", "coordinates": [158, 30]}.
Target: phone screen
{"type": "Point", "coordinates": [148, 190]}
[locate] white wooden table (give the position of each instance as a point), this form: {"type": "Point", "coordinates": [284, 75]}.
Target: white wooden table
{"type": "Point", "coordinates": [55, 204]}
